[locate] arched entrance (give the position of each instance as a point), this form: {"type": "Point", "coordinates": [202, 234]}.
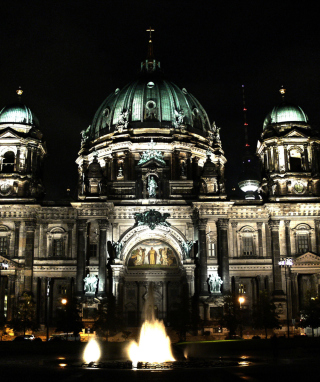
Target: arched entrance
{"type": "Point", "coordinates": [152, 267]}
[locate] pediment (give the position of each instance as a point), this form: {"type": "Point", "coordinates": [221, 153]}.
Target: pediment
{"type": "Point", "coordinates": [9, 134]}
{"type": "Point", "coordinates": [295, 134]}
{"type": "Point", "coordinates": [11, 264]}
{"type": "Point", "coordinates": [152, 162]}
{"type": "Point", "coordinates": [307, 257]}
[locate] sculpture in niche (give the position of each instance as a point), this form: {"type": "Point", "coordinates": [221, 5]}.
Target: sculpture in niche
{"type": "Point", "coordinates": [90, 283]}
{"type": "Point", "coordinates": [214, 283]}
{"type": "Point", "coordinates": [117, 245]}
{"type": "Point", "coordinates": [152, 253]}
{"type": "Point", "coordinates": [186, 246]}
{"type": "Point", "coordinates": [152, 187]}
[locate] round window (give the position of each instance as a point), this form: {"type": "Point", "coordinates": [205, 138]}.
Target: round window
{"type": "Point", "coordinates": [151, 105]}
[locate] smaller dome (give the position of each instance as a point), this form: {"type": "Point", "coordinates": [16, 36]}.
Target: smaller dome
{"type": "Point", "coordinates": [18, 113]}
{"type": "Point", "coordinates": [285, 113]}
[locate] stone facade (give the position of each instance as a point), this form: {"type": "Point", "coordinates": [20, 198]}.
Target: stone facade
{"type": "Point", "coordinates": [152, 208]}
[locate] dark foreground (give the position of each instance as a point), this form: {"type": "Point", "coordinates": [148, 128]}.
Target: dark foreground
{"type": "Point", "coordinates": [261, 361]}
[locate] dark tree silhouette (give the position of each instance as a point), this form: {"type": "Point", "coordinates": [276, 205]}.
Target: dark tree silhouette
{"type": "Point", "coordinates": [264, 314]}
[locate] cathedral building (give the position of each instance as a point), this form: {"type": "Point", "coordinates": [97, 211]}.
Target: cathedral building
{"type": "Point", "coordinates": [152, 209]}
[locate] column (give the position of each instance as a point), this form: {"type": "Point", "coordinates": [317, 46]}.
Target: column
{"type": "Point", "coordinates": [11, 296]}
{"type": "Point", "coordinates": [222, 227]}
{"type": "Point", "coordinates": [29, 253]}
{"type": "Point", "coordinates": [81, 255]}
{"type": "Point", "coordinates": [260, 245]}
{"type": "Point", "coordinates": [189, 171]}
{"type": "Point", "coordinates": [17, 225]}
{"type": "Point", "coordinates": [285, 158]}
{"type": "Point", "coordinates": [17, 166]}
{"type": "Point", "coordinates": [70, 228]}
{"type": "Point", "coordinates": [234, 226]}
{"type": "Point", "coordinates": [306, 158]}
{"type": "Point", "coordinates": [103, 226]}
{"type": "Point", "coordinates": [270, 160]}
{"type": "Point", "coordinates": [275, 159]}
{"type": "Point", "coordinates": [287, 234]}
{"type": "Point", "coordinates": [277, 284]}
{"type": "Point", "coordinates": [202, 225]}
{"type": "Point", "coordinates": [317, 232]}
{"type": "Point", "coordinates": [195, 161]}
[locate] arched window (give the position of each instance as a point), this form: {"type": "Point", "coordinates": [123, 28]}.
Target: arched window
{"type": "Point", "coordinates": [295, 160]}
{"type": "Point", "coordinates": [302, 234]}
{"type": "Point", "coordinates": [8, 162]}
{"type": "Point", "coordinates": [248, 241]}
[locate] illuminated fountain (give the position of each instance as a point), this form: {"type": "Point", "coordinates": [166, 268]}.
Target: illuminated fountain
{"type": "Point", "coordinates": [154, 345]}
{"type": "Point", "coordinates": [91, 352]}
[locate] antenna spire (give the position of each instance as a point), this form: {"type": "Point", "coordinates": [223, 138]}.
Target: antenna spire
{"type": "Point", "coordinates": [245, 118]}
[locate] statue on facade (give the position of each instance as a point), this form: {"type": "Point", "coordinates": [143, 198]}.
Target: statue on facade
{"type": "Point", "coordinates": [179, 117]}
{"type": "Point", "coordinates": [85, 134]}
{"type": "Point", "coordinates": [123, 120]}
{"type": "Point", "coordinates": [117, 245]}
{"type": "Point", "coordinates": [186, 246]}
{"type": "Point", "coordinates": [152, 187]}
{"type": "Point", "coordinates": [214, 282]}
{"type": "Point", "coordinates": [90, 283]}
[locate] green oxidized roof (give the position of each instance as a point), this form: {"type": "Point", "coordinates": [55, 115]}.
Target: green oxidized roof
{"type": "Point", "coordinates": [285, 112]}
{"type": "Point", "coordinates": [149, 101]}
{"type": "Point", "coordinates": [18, 113]}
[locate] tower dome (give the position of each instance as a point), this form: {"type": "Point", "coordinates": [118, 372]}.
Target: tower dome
{"type": "Point", "coordinates": [285, 113]}
{"type": "Point", "coordinates": [18, 113]}
{"type": "Point", "coordinates": [21, 155]}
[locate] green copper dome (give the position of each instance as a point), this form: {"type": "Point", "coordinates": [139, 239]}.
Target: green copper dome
{"type": "Point", "coordinates": [285, 112]}
{"type": "Point", "coordinates": [18, 113]}
{"type": "Point", "coordinates": [152, 102]}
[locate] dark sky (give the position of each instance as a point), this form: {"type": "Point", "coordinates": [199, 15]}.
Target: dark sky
{"type": "Point", "coordinates": [68, 56]}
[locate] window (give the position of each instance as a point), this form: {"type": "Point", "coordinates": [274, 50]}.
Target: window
{"type": "Point", "coordinates": [3, 245]}
{"type": "Point", "coordinates": [295, 161]}
{"type": "Point", "coordinates": [242, 288]}
{"type": "Point", "coordinates": [302, 243]}
{"type": "Point", "coordinates": [93, 250]}
{"type": "Point", "coordinates": [57, 247]}
{"type": "Point", "coordinates": [62, 289]}
{"type": "Point", "coordinates": [211, 250]}
{"type": "Point", "coordinates": [8, 162]}
{"type": "Point", "coordinates": [248, 245]}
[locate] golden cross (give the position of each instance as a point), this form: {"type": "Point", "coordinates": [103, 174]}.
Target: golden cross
{"type": "Point", "coordinates": [150, 30]}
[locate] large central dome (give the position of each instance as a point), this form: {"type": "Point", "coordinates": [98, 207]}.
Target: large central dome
{"type": "Point", "coordinates": [150, 102]}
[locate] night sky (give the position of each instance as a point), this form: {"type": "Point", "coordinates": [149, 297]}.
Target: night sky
{"type": "Point", "coordinates": [68, 56]}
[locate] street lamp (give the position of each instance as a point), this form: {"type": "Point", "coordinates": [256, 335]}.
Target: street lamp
{"type": "Point", "coordinates": [3, 266]}
{"type": "Point", "coordinates": [64, 302]}
{"type": "Point", "coordinates": [241, 301]}
{"type": "Point", "coordinates": [285, 263]}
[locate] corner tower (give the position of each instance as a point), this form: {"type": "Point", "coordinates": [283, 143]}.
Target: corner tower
{"type": "Point", "coordinates": [289, 154]}
{"type": "Point", "coordinates": [21, 154]}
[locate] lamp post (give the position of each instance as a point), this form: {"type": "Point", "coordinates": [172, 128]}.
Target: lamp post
{"type": "Point", "coordinates": [286, 262]}
{"type": "Point", "coordinates": [64, 302]}
{"type": "Point", "coordinates": [241, 301]}
{"type": "Point", "coordinates": [3, 265]}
